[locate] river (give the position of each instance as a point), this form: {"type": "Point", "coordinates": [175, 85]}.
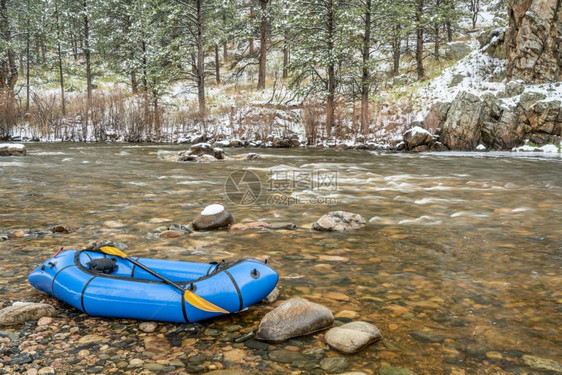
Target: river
{"type": "Point", "coordinates": [459, 265]}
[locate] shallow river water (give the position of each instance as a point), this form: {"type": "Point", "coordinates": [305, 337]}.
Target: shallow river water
{"type": "Point", "coordinates": [459, 266]}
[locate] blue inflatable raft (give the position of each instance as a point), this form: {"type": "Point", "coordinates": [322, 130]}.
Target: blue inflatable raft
{"type": "Point", "coordinates": [128, 291]}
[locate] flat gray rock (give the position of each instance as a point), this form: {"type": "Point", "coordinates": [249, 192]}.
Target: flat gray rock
{"type": "Point", "coordinates": [339, 221]}
{"type": "Point", "coordinates": [352, 337]}
{"type": "Point", "coordinates": [294, 317]}
{"type": "Point", "coordinates": [23, 312]}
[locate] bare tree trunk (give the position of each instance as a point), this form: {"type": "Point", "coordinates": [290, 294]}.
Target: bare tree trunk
{"type": "Point", "coordinates": [200, 63]}
{"type": "Point", "coordinates": [286, 55]}
{"type": "Point", "coordinates": [9, 66]}
{"type": "Point", "coordinates": [43, 49]}
{"type": "Point", "coordinates": [144, 72]}
{"type": "Point", "coordinates": [134, 83]}
{"type": "Point", "coordinates": [396, 44]}
{"type": "Point", "coordinates": [224, 44]}
{"type": "Point", "coordinates": [59, 55]}
{"type": "Point", "coordinates": [365, 121]}
{"type": "Point", "coordinates": [436, 41]}
{"type": "Point", "coordinates": [217, 65]}
{"type": "Point", "coordinates": [449, 8]}
{"type": "Point", "coordinates": [419, 39]}
{"type": "Point", "coordinates": [87, 52]}
{"type": "Point", "coordinates": [27, 48]}
{"type": "Point", "coordinates": [263, 45]}
{"type": "Point", "coordinates": [330, 100]}
{"type": "Point", "coordinates": [474, 9]}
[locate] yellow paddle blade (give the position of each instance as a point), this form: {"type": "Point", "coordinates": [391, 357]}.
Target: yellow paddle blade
{"type": "Point", "coordinates": [113, 251]}
{"type": "Point", "coordinates": [201, 303]}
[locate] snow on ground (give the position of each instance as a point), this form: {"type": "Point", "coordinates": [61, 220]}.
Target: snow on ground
{"type": "Point", "coordinates": [547, 149]}
{"type": "Point", "coordinates": [478, 73]}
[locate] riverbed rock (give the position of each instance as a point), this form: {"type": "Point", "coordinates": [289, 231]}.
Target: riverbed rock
{"type": "Point", "coordinates": [249, 226]}
{"type": "Point", "coordinates": [148, 327]}
{"type": "Point", "coordinates": [352, 337]}
{"type": "Point", "coordinates": [213, 217]}
{"type": "Point", "coordinates": [157, 344]}
{"type": "Point", "coordinates": [201, 152]}
{"type": "Point", "coordinates": [390, 370]}
{"type": "Point", "coordinates": [12, 149]}
{"type": "Point", "coordinates": [23, 312]}
{"type": "Point", "coordinates": [61, 228]}
{"type": "Point", "coordinates": [533, 40]}
{"type": "Point", "coordinates": [334, 365]}
{"type": "Point", "coordinates": [538, 363]}
{"type": "Point", "coordinates": [96, 246]}
{"type": "Point", "coordinates": [339, 221]}
{"type": "Point", "coordinates": [169, 234]}
{"type": "Point", "coordinates": [294, 317]}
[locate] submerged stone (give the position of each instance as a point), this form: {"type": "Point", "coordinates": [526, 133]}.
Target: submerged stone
{"type": "Point", "coordinates": [339, 221]}
{"type": "Point", "coordinates": [426, 336]}
{"type": "Point", "coordinates": [352, 337]}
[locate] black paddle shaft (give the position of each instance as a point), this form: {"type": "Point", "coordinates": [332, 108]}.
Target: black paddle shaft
{"type": "Point", "coordinates": [155, 274]}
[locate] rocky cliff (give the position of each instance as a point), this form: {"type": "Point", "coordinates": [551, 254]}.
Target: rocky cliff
{"type": "Point", "coordinates": [527, 105]}
{"type": "Point", "coordinates": [534, 40]}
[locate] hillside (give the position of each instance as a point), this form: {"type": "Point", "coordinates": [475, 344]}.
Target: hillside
{"type": "Point", "coordinates": [476, 93]}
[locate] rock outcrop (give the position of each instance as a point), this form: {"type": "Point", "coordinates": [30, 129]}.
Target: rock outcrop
{"type": "Point", "coordinates": [473, 120]}
{"type": "Point", "coordinates": [534, 40]}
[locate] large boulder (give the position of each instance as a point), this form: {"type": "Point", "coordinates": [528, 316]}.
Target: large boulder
{"type": "Point", "coordinates": [12, 149]}
{"type": "Point", "coordinates": [339, 221]}
{"type": "Point", "coordinates": [23, 312]}
{"type": "Point", "coordinates": [352, 337]}
{"type": "Point", "coordinates": [533, 40]}
{"type": "Point", "coordinates": [294, 317]}
{"type": "Point", "coordinates": [417, 136]}
{"type": "Point", "coordinates": [213, 217]}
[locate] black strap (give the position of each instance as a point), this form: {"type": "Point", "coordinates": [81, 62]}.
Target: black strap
{"type": "Point", "coordinates": [82, 294]}
{"type": "Point", "coordinates": [133, 270]}
{"type": "Point", "coordinates": [237, 289]}
{"type": "Point", "coordinates": [183, 308]}
{"type": "Point", "coordinates": [56, 274]}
